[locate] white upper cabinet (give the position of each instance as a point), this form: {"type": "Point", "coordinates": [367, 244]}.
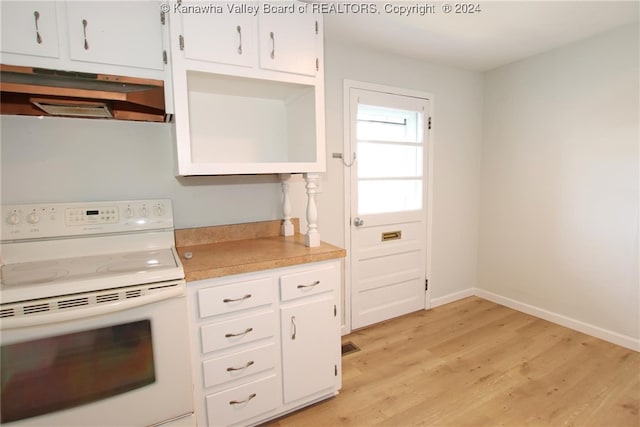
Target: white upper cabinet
{"type": "Point", "coordinates": [248, 88]}
{"type": "Point", "coordinates": [116, 33]}
{"type": "Point", "coordinates": [225, 38]}
{"type": "Point", "coordinates": [30, 28]}
{"type": "Point", "coordinates": [280, 35]}
{"type": "Point", "coordinates": [128, 38]}
{"type": "Point", "coordinates": [290, 45]}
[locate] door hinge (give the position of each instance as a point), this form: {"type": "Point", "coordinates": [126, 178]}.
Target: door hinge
{"type": "Point", "coordinates": [335, 370]}
{"type": "Point", "coordinates": [429, 125]}
{"type": "Point", "coordinates": [164, 57]}
{"type": "Point", "coordinates": [181, 43]}
{"type": "Point", "coordinates": [426, 284]}
{"type": "Point", "coordinates": [163, 18]}
{"type": "Point", "coordinates": [335, 310]}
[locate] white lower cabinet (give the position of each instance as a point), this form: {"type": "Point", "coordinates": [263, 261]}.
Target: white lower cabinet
{"type": "Point", "coordinates": [264, 344]}
{"type": "Point", "coordinates": [308, 349]}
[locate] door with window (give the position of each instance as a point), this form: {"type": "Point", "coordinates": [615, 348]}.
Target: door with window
{"type": "Point", "coordinates": [387, 204]}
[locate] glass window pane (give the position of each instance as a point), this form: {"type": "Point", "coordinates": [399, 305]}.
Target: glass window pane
{"type": "Point", "coordinates": [379, 160]}
{"type": "Point", "coordinates": [388, 124]}
{"type": "Point", "coordinates": [55, 373]}
{"type": "Point", "coordinates": [384, 196]}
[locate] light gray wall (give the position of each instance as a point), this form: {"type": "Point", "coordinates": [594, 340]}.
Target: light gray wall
{"type": "Point", "coordinates": [62, 160]}
{"type": "Point", "coordinates": [560, 182]}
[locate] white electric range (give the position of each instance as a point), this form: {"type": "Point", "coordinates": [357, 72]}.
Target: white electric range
{"type": "Point", "coordinates": [101, 281]}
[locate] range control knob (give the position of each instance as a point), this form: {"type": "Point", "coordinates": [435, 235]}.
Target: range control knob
{"type": "Point", "coordinates": [13, 218]}
{"type": "Point", "coordinates": [129, 212]}
{"type": "Point", "coordinates": [143, 211]}
{"type": "Point", "coordinates": [33, 218]}
{"type": "Point", "coordinates": [158, 210]}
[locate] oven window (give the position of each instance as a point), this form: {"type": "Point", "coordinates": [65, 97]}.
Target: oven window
{"type": "Point", "coordinates": [50, 374]}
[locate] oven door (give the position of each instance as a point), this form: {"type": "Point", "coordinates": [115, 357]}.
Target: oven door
{"type": "Point", "coordinates": [123, 362]}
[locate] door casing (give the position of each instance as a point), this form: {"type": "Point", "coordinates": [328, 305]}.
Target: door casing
{"type": "Point", "coordinates": [348, 162]}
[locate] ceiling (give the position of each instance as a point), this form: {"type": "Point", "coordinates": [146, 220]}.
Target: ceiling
{"type": "Point", "coordinates": [500, 33]}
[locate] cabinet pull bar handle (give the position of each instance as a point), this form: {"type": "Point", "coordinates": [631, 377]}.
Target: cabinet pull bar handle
{"type": "Point", "coordinates": [36, 15]}
{"type": "Point", "coordinates": [246, 331]}
{"type": "Point", "coordinates": [238, 402]}
{"type": "Point", "coordinates": [317, 282]}
{"type": "Point", "coordinates": [239, 29]}
{"type": "Point", "coordinates": [273, 45]}
{"type": "Point", "coordinates": [293, 327]}
{"type": "Point", "coordinates": [247, 296]}
{"type": "Point", "coordinates": [84, 28]}
{"type": "Point", "coordinates": [231, 368]}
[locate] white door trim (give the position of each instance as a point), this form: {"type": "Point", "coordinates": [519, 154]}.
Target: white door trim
{"type": "Point", "coordinates": [348, 159]}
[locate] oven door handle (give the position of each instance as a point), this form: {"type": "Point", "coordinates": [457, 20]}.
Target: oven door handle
{"type": "Point", "coordinates": [69, 315]}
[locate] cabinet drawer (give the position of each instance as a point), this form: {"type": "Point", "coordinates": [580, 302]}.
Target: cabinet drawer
{"type": "Point", "coordinates": [234, 297]}
{"type": "Point", "coordinates": [240, 403]}
{"type": "Point", "coordinates": [238, 365]}
{"type": "Point", "coordinates": [217, 336]}
{"type": "Point", "coordinates": [309, 282]}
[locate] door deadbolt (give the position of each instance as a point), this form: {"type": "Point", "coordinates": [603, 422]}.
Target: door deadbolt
{"type": "Point", "coordinates": [358, 222]}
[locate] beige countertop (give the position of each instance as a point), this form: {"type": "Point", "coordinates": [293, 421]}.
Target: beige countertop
{"type": "Point", "coordinates": [242, 248]}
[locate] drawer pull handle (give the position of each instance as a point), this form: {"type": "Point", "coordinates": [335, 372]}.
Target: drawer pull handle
{"type": "Point", "coordinates": [231, 368]}
{"type": "Point", "coordinates": [247, 296]}
{"type": "Point", "coordinates": [246, 331]}
{"type": "Point", "coordinates": [317, 282]}
{"type": "Point", "coordinates": [238, 402]}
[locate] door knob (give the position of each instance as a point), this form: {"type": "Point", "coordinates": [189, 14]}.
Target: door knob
{"type": "Point", "coordinates": [358, 222]}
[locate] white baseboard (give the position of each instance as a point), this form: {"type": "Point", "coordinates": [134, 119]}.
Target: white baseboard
{"type": "Point", "coordinates": [452, 297]}
{"type": "Point", "coordinates": [604, 334]}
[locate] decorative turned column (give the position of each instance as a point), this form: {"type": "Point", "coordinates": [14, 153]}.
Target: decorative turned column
{"type": "Point", "coordinates": [286, 229]}
{"type": "Point", "coordinates": [312, 238]}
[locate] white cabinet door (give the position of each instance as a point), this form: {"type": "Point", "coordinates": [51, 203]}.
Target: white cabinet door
{"type": "Point", "coordinates": [117, 33]}
{"type": "Point", "coordinates": [310, 347]}
{"type": "Point", "coordinates": [30, 28]}
{"type": "Point", "coordinates": [290, 42]}
{"type": "Point", "coordinates": [221, 37]}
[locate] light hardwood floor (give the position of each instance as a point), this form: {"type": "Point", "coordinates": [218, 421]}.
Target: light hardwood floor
{"type": "Point", "coordinates": [476, 363]}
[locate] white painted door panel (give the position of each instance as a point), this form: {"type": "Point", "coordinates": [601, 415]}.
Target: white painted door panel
{"type": "Point", "coordinates": [225, 38]}
{"type": "Point", "coordinates": [389, 220]}
{"type": "Point", "coordinates": [116, 33]}
{"type": "Point", "coordinates": [309, 347]}
{"type": "Point", "coordinates": [289, 42]}
{"type": "Point", "coordinates": [30, 28]}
